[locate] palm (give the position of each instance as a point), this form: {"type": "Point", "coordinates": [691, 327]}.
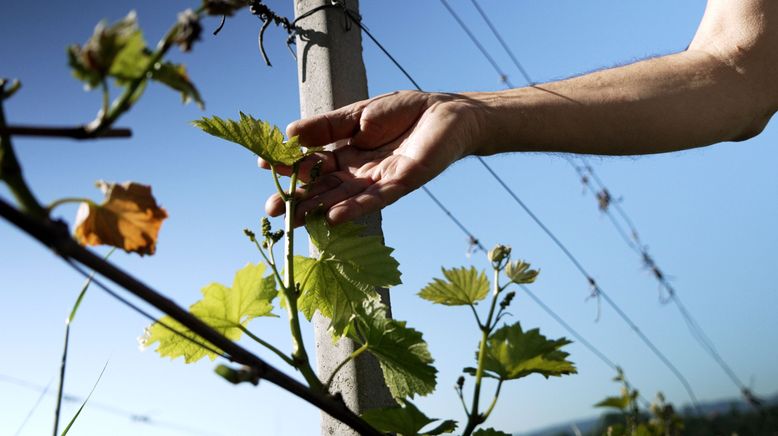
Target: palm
{"type": "Point", "coordinates": [397, 149]}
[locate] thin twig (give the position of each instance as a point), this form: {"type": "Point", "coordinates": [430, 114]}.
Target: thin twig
{"type": "Point", "coordinates": [80, 133]}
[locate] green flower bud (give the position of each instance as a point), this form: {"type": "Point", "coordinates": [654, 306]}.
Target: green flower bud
{"type": "Point", "coordinates": [266, 227]}
{"type": "Point", "coordinates": [250, 235]}
{"type": "Point", "coordinates": [499, 253]}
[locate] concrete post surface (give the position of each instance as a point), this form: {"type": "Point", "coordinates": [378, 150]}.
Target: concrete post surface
{"type": "Point", "coordinates": [331, 75]}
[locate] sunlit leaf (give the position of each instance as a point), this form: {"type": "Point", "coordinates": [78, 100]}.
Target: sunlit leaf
{"type": "Point", "coordinates": [512, 353]}
{"type": "Point", "coordinates": [463, 286]}
{"type": "Point", "coordinates": [405, 420]}
{"type": "Point", "coordinates": [224, 309]}
{"type": "Point", "coordinates": [129, 218]}
{"type": "Point", "coordinates": [262, 138]}
{"type": "Point", "coordinates": [400, 350]}
{"type": "Point", "coordinates": [347, 270]}
{"type": "Point", "coordinates": [518, 271]}
{"type": "Point", "coordinates": [325, 289]}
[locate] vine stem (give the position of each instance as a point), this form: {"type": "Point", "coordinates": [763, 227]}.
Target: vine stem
{"type": "Point", "coordinates": [270, 261]}
{"type": "Point", "coordinates": [299, 355]}
{"type": "Point", "coordinates": [67, 200]}
{"type": "Point", "coordinates": [266, 344]}
{"type": "Point", "coordinates": [11, 173]}
{"type": "Point", "coordinates": [354, 354]}
{"type": "Point", "coordinates": [475, 418]}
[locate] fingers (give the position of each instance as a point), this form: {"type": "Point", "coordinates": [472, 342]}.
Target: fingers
{"type": "Point", "coordinates": [372, 199]}
{"type": "Point", "coordinates": [345, 202]}
{"type": "Point", "coordinates": [329, 163]}
{"type": "Point", "coordinates": [327, 191]}
{"type": "Point", "coordinates": [320, 130]}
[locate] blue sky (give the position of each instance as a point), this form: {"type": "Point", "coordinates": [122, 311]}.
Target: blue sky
{"type": "Point", "coordinates": [708, 216]}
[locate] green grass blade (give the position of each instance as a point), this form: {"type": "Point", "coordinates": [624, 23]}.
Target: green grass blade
{"type": "Point", "coordinates": [72, 421]}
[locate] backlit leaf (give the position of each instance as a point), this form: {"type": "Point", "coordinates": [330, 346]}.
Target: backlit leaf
{"type": "Point", "coordinates": [129, 218]}
{"type": "Point", "coordinates": [92, 62]}
{"type": "Point", "coordinates": [262, 138]}
{"type": "Point", "coordinates": [224, 309]}
{"type": "Point", "coordinates": [512, 353]}
{"type": "Point", "coordinates": [326, 290]}
{"type": "Point", "coordinates": [347, 270]}
{"type": "Point", "coordinates": [405, 420]}
{"type": "Point", "coordinates": [518, 271]}
{"type": "Point", "coordinates": [175, 77]}
{"type": "Point", "coordinates": [400, 350]}
{"type": "Point", "coordinates": [620, 403]}
{"type": "Point", "coordinates": [463, 286]}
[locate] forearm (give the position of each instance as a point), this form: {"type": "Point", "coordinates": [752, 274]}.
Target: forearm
{"type": "Point", "coordinates": [675, 102]}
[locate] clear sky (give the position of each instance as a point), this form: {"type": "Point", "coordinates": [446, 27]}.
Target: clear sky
{"type": "Point", "coordinates": [708, 216]}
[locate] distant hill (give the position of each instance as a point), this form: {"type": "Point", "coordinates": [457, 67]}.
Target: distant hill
{"type": "Point", "coordinates": [587, 425]}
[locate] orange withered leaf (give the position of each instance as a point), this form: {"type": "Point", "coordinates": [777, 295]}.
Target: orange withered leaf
{"type": "Point", "coordinates": [129, 218]}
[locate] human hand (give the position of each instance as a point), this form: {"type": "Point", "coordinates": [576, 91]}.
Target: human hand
{"type": "Point", "coordinates": [392, 145]}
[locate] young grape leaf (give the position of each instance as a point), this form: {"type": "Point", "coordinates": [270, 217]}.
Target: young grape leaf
{"type": "Point", "coordinates": [518, 271]}
{"type": "Point", "coordinates": [464, 286]}
{"type": "Point", "coordinates": [405, 420]}
{"type": "Point", "coordinates": [490, 432]}
{"type": "Point", "coordinates": [92, 62]}
{"type": "Point", "coordinates": [402, 353]}
{"type": "Point", "coordinates": [361, 259]}
{"type": "Point", "coordinates": [325, 289]}
{"type": "Point", "coordinates": [129, 218]}
{"type": "Point", "coordinates": [512, 354]}
{"type": "Point", "coordinates": [262, 138]}
{"type": "Point", "coordinates": [224, 309]}
{"type": "Point", "coordinates": [347, 270]}
{"type": "Point", "coordinates": [132, 61]}
{"type": "Point", "coordinates": [175, 77]}
{"type": "Point", "coordinates": [620, 403]}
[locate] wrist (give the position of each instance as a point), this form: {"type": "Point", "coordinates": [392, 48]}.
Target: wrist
{"type": "Point", "coordinates": [495, 123]}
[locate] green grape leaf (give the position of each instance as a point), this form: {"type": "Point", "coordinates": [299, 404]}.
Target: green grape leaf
{"type": "Point", "coordinates": [175, 77]}
{"type": "Point", "coordinates": [347, 270]}
{"type": "Point", "coordinates": [224, 309]}
{"type": "Point", "coordinates": [325, 289]}
{"type": "Point", "coordinates": [490, 432]}
{"type": "Point", "coordinates": [464, 286]}
{"type": "Point", "coordinates": [132, 61]}
{"type": "Point", "coordinates": [620, 403]}
{"type": "Point", "coordinates": [400, 350]}
{"type": "Point", "coordinates": [92, 62]}
{"type": "Point", "coordinates": [405, 420]}
{"type": "Point", "coordinates": [512, 354]}
{"type": "Point", "coordinates": [361, 259]}
{"type": "Point", "coordinates": [518, 271]}
{"type": "Point", "coordinates": [262, 138]}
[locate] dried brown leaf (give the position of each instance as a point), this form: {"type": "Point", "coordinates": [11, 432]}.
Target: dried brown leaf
{"type": "Point", "coordinates": [129, 218]}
